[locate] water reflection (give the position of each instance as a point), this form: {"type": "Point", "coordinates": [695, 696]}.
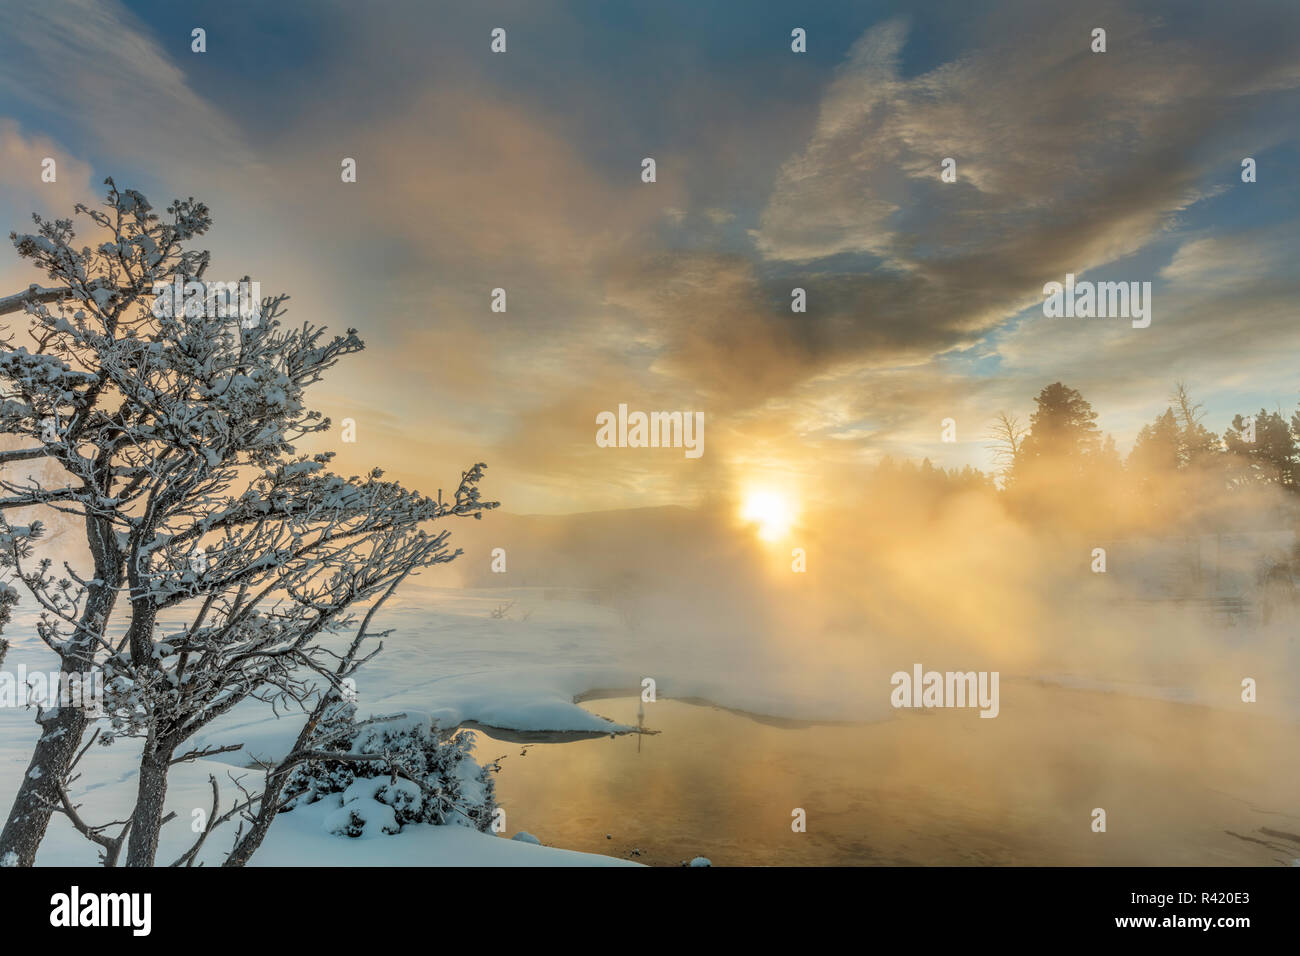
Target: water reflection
{"type": "Point", "coordinates": [937, 787]}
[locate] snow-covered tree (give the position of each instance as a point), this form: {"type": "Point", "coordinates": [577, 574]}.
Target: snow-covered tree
{"type": "Point", "coordinates": [176, 440]}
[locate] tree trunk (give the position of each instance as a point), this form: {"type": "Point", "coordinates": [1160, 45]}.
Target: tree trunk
{"type": "Point", "coordinates": [38, 794]}
{"type": "Point", "coordinates": [276, 780]}
{"type": "Point", "coordinates": [150, 798]}
{"type": "Point", "coordinates": [251, 841]}
{"type": "Point", "coordinates": [61, 732]}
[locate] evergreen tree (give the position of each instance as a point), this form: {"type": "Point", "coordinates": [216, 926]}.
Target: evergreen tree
{"type": "Point", "coordinates": [1271, 458]}
{"type": "Point", "coordinates": [1158, 448]}
{"type": "Point", "coordinates": [1062, 433]}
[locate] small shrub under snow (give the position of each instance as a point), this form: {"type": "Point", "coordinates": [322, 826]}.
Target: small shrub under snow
{"type": "Point", "coordinates": [426, 776]}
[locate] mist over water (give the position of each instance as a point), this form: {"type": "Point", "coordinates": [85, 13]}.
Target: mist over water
{"type": "Point", "coordinates": [1121, 689]}
{"type": "Point", "coordinates": [955, 581]}
{"type": "Point", "coordinates": [1121, 678]}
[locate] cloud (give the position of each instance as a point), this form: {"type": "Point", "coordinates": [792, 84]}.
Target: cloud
{"type": "Point", "coordinates": [1213, 261]}
{"type": "Point", "coordinates": [24, 192]}
{"type": "Point", "coordinates": [92, 65]}
{"type": "Point", "coordinates": [21, 159]}
{"type": "Point", "coordinates": [1067, 161]}
{"type": "Point", "coordinates": [1044, 134]}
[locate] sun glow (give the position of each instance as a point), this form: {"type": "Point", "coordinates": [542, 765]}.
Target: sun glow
{"type": "Point", "coordinates": [771, 511]}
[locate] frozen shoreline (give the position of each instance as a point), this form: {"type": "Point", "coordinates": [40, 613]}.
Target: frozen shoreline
{"type": "Point", "coordinates": [522, 677]}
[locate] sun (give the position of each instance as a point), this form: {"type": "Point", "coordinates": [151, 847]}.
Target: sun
{"type": "Point", "coordinates": [771, 511]}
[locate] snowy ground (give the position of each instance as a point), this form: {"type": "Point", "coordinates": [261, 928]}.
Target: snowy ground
{"type": "Point", "coordinates": [451, 658]}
